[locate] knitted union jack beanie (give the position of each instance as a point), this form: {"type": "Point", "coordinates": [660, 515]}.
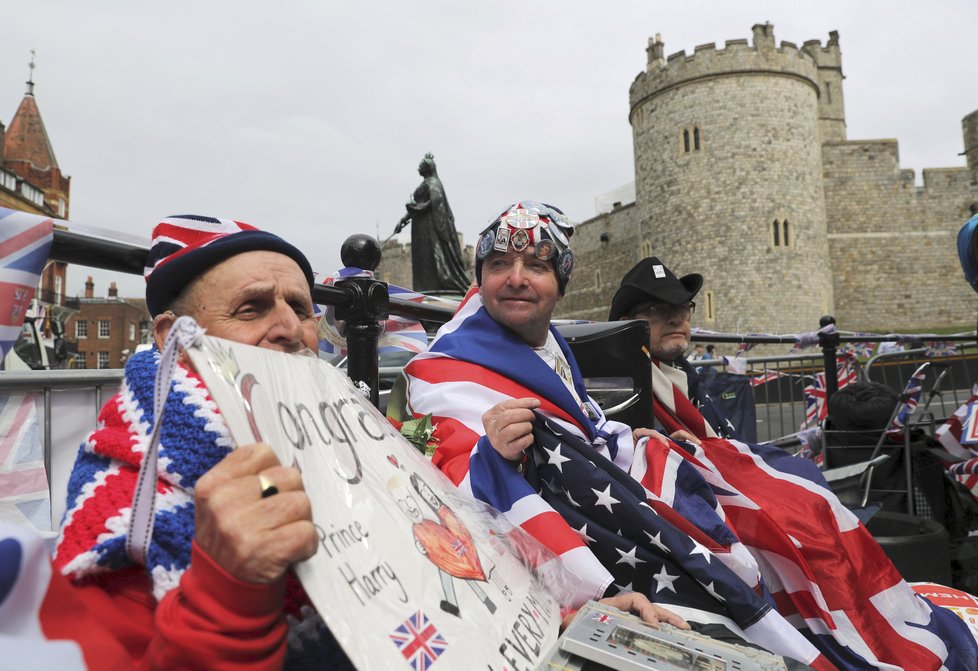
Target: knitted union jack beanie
{"type": "Point", "coordinates": [185, 246]}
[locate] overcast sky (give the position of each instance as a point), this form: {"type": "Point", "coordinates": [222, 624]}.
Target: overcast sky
{"type": "Point", "coordinates": [309, 117]}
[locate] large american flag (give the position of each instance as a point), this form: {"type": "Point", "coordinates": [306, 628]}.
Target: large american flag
{"type": "Point", "coordinates": [729, 516]}
{"type": "Point", "coordinates": [25, 241]}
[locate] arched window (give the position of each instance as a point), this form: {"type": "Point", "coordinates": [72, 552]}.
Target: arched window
{"type": "Point", "coordinates": [686, 140]}
{"type": "Point", "coordinates": [696, 138]}
{"type": "Point", "coordinates": [785, 237]}
{"type": "Point", "coordinates": [776, 230]}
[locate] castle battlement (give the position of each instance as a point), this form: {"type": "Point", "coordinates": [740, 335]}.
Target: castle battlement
{"type": "Point", "coordinates": [738, 57]}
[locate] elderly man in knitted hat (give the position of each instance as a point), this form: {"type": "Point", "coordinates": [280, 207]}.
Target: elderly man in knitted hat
{"type": "Point", "coordinates": [215, 590]}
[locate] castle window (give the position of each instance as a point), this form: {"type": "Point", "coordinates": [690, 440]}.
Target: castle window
{"type": "Point", "coordinates": [973, 209]}
{"type": "Point", "coordinates": [597, 279]}
{"type": "Point", "coordinates": [685, 140]}
{"type": "Point", "coordinates": [646, 249]}
{"type": "Point", "coordinates": [696, 138]}
{"type": "Point", "coordinates": [709, 312]}
{"type": "Point", "coordinates": [781, 233]}
{"type": "Point", "coordinates": [828, 92]}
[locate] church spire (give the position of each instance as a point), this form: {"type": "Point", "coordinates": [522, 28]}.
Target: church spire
{"type": "Point", "coordinates": [30, 76]}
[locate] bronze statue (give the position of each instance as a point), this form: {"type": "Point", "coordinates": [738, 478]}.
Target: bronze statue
{"type": "Point", "coordinates": [436, 257]}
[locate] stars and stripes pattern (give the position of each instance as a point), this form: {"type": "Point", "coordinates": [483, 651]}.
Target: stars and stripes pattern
{"type": "Point", "coordinates": [24, 497]}
{"type": "Point", "coordinates": [757, 517]}
{"type": "Point", "coordinates": [909, 400]}
{"type": "Point", "coordinates": [25, 241]}
{"type": "Point", "coordinates": [398, 334]}
{"type": "Point", "coordinates": [826, 573]}
{"type": "Point", "coordinates": [419, 641]}
{"type": "Point", "coordinates": [475, 363]}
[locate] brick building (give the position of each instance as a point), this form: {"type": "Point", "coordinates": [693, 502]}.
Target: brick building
{"type": "Point", "coordinates": [105, 332]}
{"type": "Point", "coordinates": [31, 181]}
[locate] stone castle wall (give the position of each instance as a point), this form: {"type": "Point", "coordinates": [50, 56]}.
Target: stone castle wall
{"type": "Point", "coordinates": [893, 244]}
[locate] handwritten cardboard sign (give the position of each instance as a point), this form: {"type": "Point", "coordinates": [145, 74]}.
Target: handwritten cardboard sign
{"type": "Point", "coordinates": [409, 572]}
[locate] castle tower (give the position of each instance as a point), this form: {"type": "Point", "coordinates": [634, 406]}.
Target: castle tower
{"type": "Point", "coordinates": [728, 175]}
{"type": "Point", "coordinates": [969, 128]}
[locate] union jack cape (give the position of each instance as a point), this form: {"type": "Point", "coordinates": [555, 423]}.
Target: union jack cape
{"type": "Point", "coordinates": [671, 521]}
{"type": "Point", "coordinates": [25, 240]}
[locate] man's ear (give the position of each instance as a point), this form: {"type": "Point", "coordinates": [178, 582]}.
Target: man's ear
{"type": "Point", "coordinates": [161, 327]}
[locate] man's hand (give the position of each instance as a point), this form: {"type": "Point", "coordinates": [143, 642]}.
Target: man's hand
{"type": "Point", "coordinates": [639, 604]}
{"type": "Point", "coordinates": [655, 435]}
{"type": "Point", "coordinates": [508, 426]}
{"type": "Point", "coordinates": [255, 539]}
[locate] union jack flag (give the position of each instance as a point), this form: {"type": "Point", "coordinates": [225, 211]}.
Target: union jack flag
{"type": "Point", "coordinates": [23, 481]}
{"type": "Point", "coordinates": [397, 333]}
{"type": "Point", "coordinates": [25, 241]}
{"type": "Point", "coordinates": [959, 434]}
{"type": "Point", "coordinates": [816, 408]}
{"type": "Point", "coordinates": [764, 378]}
{"type": "Point", "coordinates": [861, 349]}
{"type": "Point", "coordinates": [908, 400]}
{"type": "Point", "coordinates": [966, 472]}
{"type": "Point", "coordinates": [724, 526]}
{"type": "Point", "coordinates": [941, 348]}
{"type": "Point", "coordinates": [419, 641]}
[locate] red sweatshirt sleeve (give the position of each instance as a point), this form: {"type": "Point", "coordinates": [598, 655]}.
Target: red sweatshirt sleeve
{"type": "Point", "coordinates": [210, 621]}
{"type": "Point", "coordinates": [215, 621]}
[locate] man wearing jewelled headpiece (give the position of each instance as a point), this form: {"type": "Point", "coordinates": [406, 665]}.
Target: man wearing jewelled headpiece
{"type": "Point", "coordinates": [633, 512]}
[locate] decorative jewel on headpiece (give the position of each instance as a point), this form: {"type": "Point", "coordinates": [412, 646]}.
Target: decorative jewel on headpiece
{"type": "Point", "coordinates": [530, 223]}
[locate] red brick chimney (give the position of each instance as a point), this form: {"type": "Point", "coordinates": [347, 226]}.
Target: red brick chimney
{"type": "Point", "coordinates": [89, 288]}
{"type": "Point", "coordinates": [113, 290]}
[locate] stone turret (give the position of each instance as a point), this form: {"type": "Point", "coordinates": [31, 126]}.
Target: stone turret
{"type": "Point", "coordinates": [831, 107]}
{"type": "Point", "coordinates": [744, 120]}
{"type": "Point", "coordinates": [969, 127]}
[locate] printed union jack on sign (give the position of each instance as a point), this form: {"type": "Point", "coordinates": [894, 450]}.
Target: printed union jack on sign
{"type": "Point", "coordinates": [419, 641]}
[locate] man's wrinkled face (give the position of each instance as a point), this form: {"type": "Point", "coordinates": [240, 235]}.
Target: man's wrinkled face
{"type": "Point", "coordinates": [669, 327]}
{"type": "Point", "coordinates": [258, 298]}
{"type": "Point", "coordinates": [520, 292]}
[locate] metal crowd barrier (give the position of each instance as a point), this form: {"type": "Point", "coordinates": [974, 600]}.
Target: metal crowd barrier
{"type": "Point", "coordinates": [362, 301]}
